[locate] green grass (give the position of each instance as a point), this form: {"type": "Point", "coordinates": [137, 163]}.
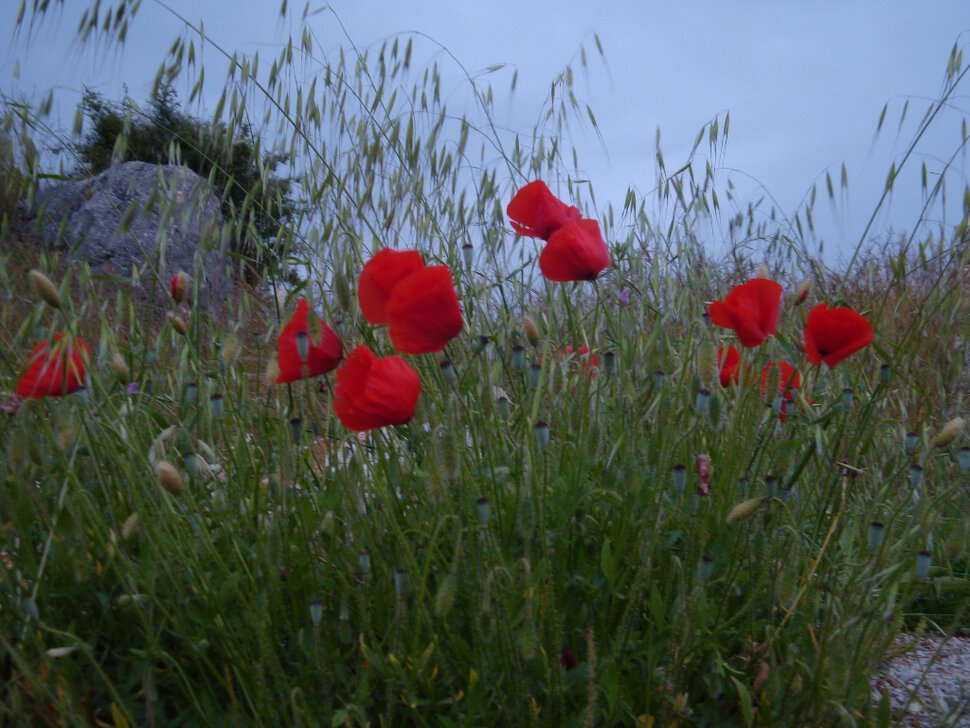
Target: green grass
{"type": "Point", "coordinates": [433, 573]}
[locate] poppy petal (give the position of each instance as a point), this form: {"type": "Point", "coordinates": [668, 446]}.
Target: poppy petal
{"type": "Point", "coordinates": [372, 392]}
{"type": "Point", "coordinates": [575, 252]}
{"type": "Point", "coordinates": [751, 309]}
{"type": "Point", "coordinates": [323, 354]}
{"type": "Point", "coordinates": [729, 365]}
{"type": "Point", "coordinates": [535, 212]}
{"type": "Point", "coordinates": [832, 334]}
{"type": "Point", "coordinates": [54, 370]}
{"type": "Point", "coordinates": [379, 277]}
{"type": "Point", "coordinates": [423, 312]}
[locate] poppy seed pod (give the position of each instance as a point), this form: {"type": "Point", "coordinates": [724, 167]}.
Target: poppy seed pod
{"type": "Point", "coordinates": [877, 534]}
{"type": "Point", "coordinates": [542, 434]}
{"type": "Point", "coordinates": [168, 477]}
{"type": "Point", "coordinates": [45, 289]}
{"type": "Point", "coordinates": [910, 442]}
{"type": "Point", "coordinates": [468, 255]}
{"type": "Point", "coordinates": [448, 372]}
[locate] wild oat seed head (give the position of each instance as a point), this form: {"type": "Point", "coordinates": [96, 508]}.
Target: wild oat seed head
{"type": "Point", "coordinates": [531, 330]}
{"type": "Point", "coordinates": [178, 323]}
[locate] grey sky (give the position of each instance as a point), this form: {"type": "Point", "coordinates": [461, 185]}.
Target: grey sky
{"type": "Point", "coordinates": [804, 82]}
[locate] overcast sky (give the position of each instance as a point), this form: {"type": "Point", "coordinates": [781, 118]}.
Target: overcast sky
{"type": "Point", "coordinates": [804, 81]}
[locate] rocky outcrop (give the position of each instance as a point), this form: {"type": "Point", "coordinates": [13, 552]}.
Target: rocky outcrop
{"type": "Point", "coordinates": [140, 222]}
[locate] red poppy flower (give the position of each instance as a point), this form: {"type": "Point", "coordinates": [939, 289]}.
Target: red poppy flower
{"type": "Point", "coordinates": [575, 252]}
{"type": "Point", "coordinates": [729, 365]}
{"type": "Point", "coordinates": [372, 392]}
{"type": "Point", "coordinates": [832, 334]}
{"type": "Point", "coordinates": [751, 309]}
{"type": "Point", "coordinates": [323, 351]}
{"type": "Point", "coordinates": [379, 276]}
{"type": "Point", "coordinates": [54, 370]}
{"type": "Point", "coordinates": [423, 312]}
{"type": "Point", "coordinates": [535, 211]}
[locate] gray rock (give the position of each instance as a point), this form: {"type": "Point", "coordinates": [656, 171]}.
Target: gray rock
{"type": "Point", "coordinates": [139, 221]}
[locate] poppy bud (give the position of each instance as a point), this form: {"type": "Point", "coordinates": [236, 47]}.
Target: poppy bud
{"type": "Point", "coordinates": [801, 293]}
{"type": "Point", "coordinates": [951, 430]}
{"type": "Point", "coordinates": [45, 289]}
{"type": "Point", "coordinates": [178, 323]}
{"type": "Point", "coordinates": [744, 510]}
{"type": "Point", "coordinates": [531, 329]}
{"type": "Point", "coordinates": [168, 477]}
{"type": "Point", "coordinates": [120, 366]}
{"type": "Point", "coordinates": [178, 286]}
{"type": "Point", "coordinates": [763, 272]}
{"type": "Point", "coordinates": [129, 526]}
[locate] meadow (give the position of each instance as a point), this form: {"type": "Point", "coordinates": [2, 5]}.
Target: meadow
{"type": "Point", "coordinates": [483, 450]}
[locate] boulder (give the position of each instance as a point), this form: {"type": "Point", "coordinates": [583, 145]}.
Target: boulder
{"type": "Point", "coordinates": [139, 221]}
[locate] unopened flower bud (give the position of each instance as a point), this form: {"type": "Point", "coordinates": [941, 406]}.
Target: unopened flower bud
{"type": "Point", "coordinates": [951, 430]}
{"type": "Point", "coordinates": [168, 477]}
{"type": "Point", "coordinates": [744, 510]}
{"type": "Point", "coordinates": [45, 289]}
{"type": "Point", "coordinates": [763, 272]}
{"type": "Point", "coordinates": [120, 366]}
{"type": "Point", "coordinates": [178, 323]}
{"type": "Point", "coordinates": [801, 293]}
{"type": "Point", "coordinates": [531, 330]}
{"type": "Point", "coordinates": [178, 286]}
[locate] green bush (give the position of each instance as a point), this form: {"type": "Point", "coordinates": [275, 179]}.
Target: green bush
{"type": "Point", "coordinates": [230, 158]}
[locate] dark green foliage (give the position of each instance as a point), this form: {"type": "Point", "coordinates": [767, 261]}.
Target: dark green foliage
{"type": "Point", "coordinates": [232, 160]}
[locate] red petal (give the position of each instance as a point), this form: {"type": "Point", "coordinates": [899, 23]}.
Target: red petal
{"type": "Point", "coordinates": [423, 312]}
{"type": "Point", "coordinates": [832, 334]}
{"type": "Point", "coordinates": [575, 252]}
{"type": "Point", "coordinates": [374, 392]}
{"type": "Point", "coordinates": [46, 375]}
{"type": "Point", "coordinates": [536, 212]}
{"type": "Point", "coordinates": [323, 355]}
{"type": "Point", "coordinates": [729, 362]}
{"type": "Point", "coordinates": [379, 277]}
{"type": "Point", "coordinates": [751, 309]}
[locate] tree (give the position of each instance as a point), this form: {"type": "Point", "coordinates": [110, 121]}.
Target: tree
{"type": "Point", "coordinates": [243, 177]}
